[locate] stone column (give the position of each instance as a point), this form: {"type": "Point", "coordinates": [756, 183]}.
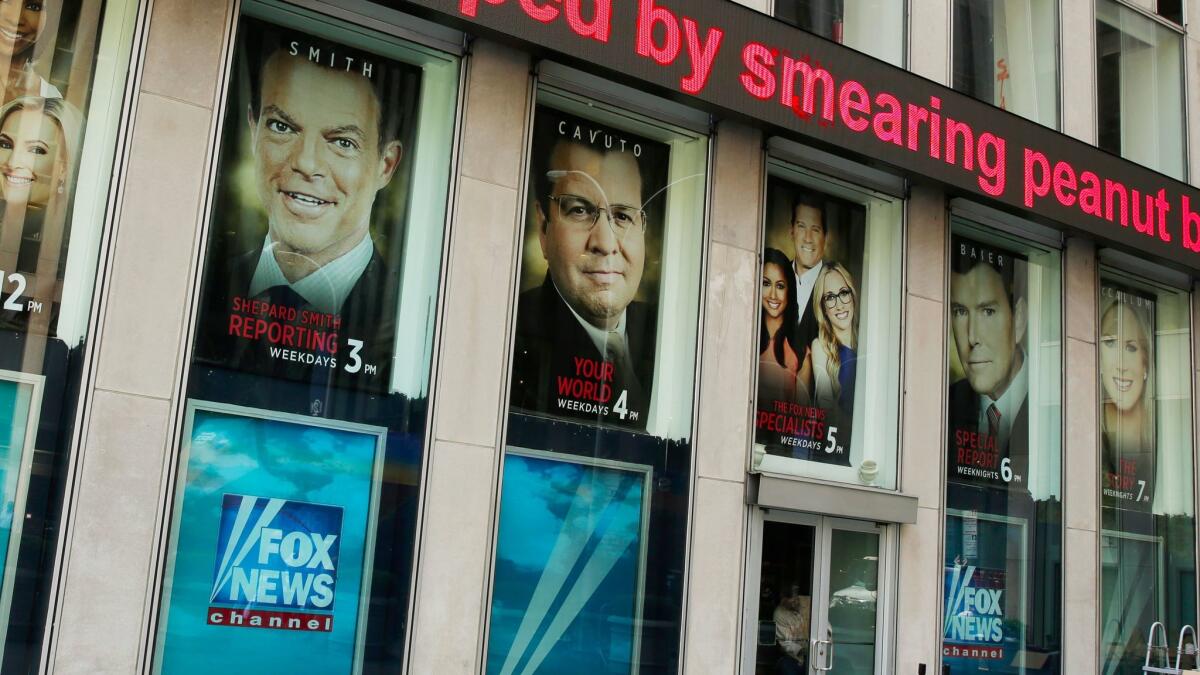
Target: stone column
{"type": "Point", "coordinates": [923, 444]}
{"type": "Point", "coordinates": [107, 575]}
{"type": "Point", "coordinates": [461, 489]}
{"type": "Point", "coordinates": [725, 433]}
{"type": "Point", "coordinates": [1081, 471]}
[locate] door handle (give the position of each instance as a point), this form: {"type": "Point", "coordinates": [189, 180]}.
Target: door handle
{"type": "Point", "coordinates": [826, 655]}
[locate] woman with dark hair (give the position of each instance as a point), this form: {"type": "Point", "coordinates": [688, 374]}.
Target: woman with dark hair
{"type": "Point", "coordinates": [778, 360]}
{"type": "Point", "coordinates": [27, 30]}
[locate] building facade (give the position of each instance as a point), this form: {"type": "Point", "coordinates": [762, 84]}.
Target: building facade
{"type": "Point", "coordinates": [598, 336]}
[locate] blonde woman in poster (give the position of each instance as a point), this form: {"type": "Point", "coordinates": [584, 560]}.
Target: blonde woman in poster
{"type": "Point", "coordinates": [834, 350]}
{"type": "Point", "coordinates": [39, 141]}
{"type": "Point", "coordinates": [1127, 423]}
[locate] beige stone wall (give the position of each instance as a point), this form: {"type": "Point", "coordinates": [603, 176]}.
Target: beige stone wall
{"type": "Point", "coordinates": [725, 431]}
{"type": "Point", "coordinates": [107, 570]}
{"type": "Point", "coordinates": [1078, 69]}
{"type": "Point", "coordinates": [922, 449]}
{"type": "Point", "coordinates": [455, 558]}
{"type": "Point", "coordinates": [108, 574]}
{"type": "Point", "coordinates": [1081, 461]}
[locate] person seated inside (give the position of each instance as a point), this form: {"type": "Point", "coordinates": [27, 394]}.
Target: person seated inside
{"type": "Point", "coordinates": [792, 620]}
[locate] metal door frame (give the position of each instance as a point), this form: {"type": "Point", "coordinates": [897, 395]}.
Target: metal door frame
{"type": "Point", "coordinates": [823, 527]}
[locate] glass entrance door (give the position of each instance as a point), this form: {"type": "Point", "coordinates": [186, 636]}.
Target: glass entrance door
{"type": "Point", "coordinates": [817, 609]}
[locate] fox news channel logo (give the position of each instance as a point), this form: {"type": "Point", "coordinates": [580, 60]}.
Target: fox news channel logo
{"type": "Point", "coordinates": [276, 564]}
{"type": "Point", "coordinates": [974, 627]}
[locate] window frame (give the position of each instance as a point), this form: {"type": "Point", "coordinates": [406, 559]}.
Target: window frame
{"type": "Point", "coordinates": [979, 216]}
{"type": "Point", "coordinates": [567, 82]}
{"type": "Point", "coordinates": [1060, 81]}
{"type": "Point", "coordinates": [1120, 266]}
{"type": "Point", "coordinates": [872, 183]}
{"type": "Point", "coordinates": [905, 37]}
{"type": "Point", "coordinates": [1184, 70]}
{"type": "Point", "coordinates": [383, 23]}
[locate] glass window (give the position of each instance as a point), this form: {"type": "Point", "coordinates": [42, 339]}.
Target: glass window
{"type": "Point", "coordinates": [1003, 553]}
{"type": "Point", "coordinates": [875, 27]}
{"type": "Point", "coordinates": [590, 549]}
{"type": "Point", "coordinates": [829, 335]}
{"type": "Point", "coordinates": [299, 469]}
{"type": "Point", "coordinates": [785, 594]}
{"type": "Point", "coordinates": [1139, 89]}
{"type": "Point", "coordinates": [1147, 545]}
{"type": "Point", "coordinates": [61, 96]}
{"type": "Point", "coordinates": [1171, 10]}
{"type": "Point", "coordinates": [1006, 53]}
{"type": "Point", "coordinates": [817, 604]}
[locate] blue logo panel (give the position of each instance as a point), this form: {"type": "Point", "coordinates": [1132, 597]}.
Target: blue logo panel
{"type": "Point", "coordinates": [272, 533]}
{"type": "Point", "coordinates": [569, 569]}
{"type": "Point", "coordinates": [275, 554]}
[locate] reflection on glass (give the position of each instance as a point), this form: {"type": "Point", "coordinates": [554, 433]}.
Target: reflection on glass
{"type": "Point", "coordinates": [1006, 53]}
{"type": "Point", "coordinates": [1132, 590]}
{"type": "Point", "coordinates": [1148, 568]}
{"type": "Point", "coordinates": [1139, 89]}
{"type": "Point", "coordinates": [872, 26]}
{"type": "Point", "coordinates": [785, 599]}
{"type": "Point", "coordinates": [1002, 567]}
{"type": "Point", "coordinates": [50, 229]}
{"type": "Point", "coordinates": [603, 373]}
{"type": "Point", "coordinates": [853, 594]}
{"type": "Point", "coordinates": [316, 304]}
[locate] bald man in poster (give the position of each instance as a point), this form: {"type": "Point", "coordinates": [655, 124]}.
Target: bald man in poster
{"type": "Point", "coordinates": [584, 347]}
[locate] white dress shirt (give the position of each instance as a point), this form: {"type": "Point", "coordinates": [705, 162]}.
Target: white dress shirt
{"type": "Point", "coordinates": [804, 287]}
{"type": "Point", "coordinates": [1009, 404]}
{"type": "Point", "coordinates": [598, 336]}
{"type": "Point", "coordinates": [327, 288]}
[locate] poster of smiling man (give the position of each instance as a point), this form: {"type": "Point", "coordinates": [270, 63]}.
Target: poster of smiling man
{"type": "Point", "coordinates": [808, 351]}
{"type": "Point", "coordinates": [587, 317]}
{"type": "Point", "coordinates": [302, 279]}
{"type": "Point", "coordinates": [989, 395]}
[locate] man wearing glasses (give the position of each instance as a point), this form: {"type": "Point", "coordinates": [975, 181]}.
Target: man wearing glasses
{"type": "Point", "coordinates": [584, 347]}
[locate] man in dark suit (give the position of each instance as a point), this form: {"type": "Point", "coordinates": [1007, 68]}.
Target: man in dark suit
{"type": "Point", "coordinates": [584, 349]}
{"type": "Point", "coordinates": [315, 301]}
{"type": "Point", "coordinates": [989, 416]}
{"type": "Point", "coordinates": [809, 235]}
